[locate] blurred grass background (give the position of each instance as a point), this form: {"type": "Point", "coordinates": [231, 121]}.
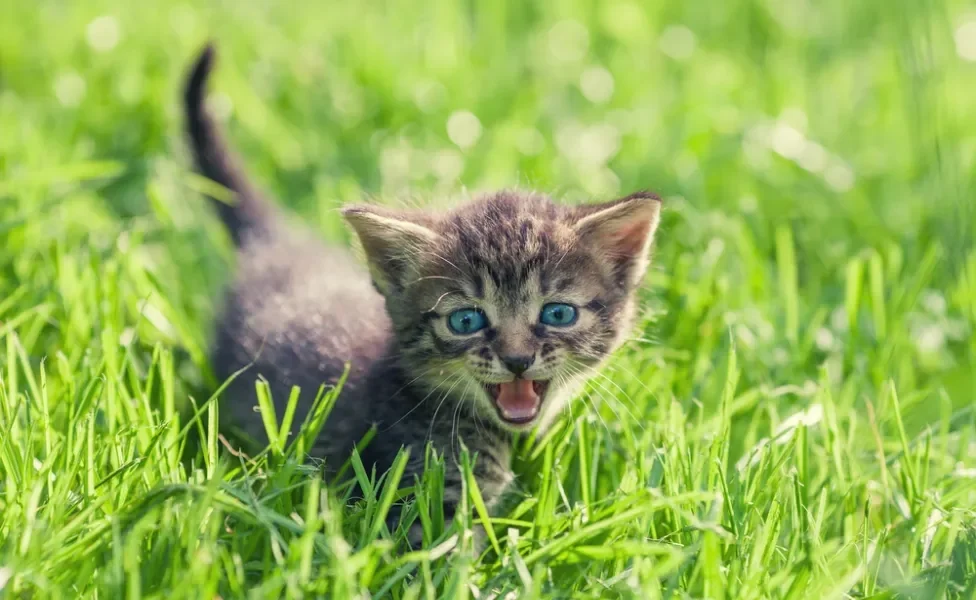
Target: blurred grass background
{"type": "Point", "coordinates": [817, 161]}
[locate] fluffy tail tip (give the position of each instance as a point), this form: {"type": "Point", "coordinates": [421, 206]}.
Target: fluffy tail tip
{"type": "Point", "coordinates": [197, 82]}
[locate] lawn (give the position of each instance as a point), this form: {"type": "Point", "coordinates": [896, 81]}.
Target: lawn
{"type": "Point", "coordinates": [793, 419]}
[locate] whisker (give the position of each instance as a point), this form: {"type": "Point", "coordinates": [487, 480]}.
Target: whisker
{"type": "Point", "coordinates": [440, 399]}
{"type": "Point", "coordinates": [610, 399]}
{"type": "Point", "coordinates": [441, 297]}
{"type": "Point", "coordinates": [439, 257]}
{"type": "Point", "coordinates": [416, 406]}
{"type": "Point", "coordinates": [598, 373]}
{"type": "Point", "coordinates": [593, 408]}
{"type": "Point", "coordinates": [454, 431]}
{"type": "Point", "coordinates": [633, 376]}
{"type": "Point", "coordinates": [475, 413]}
{"type": "Point", "coordinates": [451, 279]}
{"type": "Point", "coordinates": [433, 420]}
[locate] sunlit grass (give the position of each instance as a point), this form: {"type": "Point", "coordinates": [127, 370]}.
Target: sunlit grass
{"type": "Point", "coordinates": [793, 418]}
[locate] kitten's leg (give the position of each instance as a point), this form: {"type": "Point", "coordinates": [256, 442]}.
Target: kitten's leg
{"type": "Point", "coordinates": [492, 480]}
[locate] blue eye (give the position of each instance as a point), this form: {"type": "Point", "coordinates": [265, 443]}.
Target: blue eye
{"type": "Point", "coordinates": [558, 314]}
{"type": "Point", "coordinates": [466, 321]}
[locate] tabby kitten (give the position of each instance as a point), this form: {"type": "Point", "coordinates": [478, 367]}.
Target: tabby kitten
{"type": "Point", "coordinates": [469, 325]}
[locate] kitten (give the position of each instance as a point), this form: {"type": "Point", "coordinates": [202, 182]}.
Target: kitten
{"type": "Point", "coordinates": [468, 325]}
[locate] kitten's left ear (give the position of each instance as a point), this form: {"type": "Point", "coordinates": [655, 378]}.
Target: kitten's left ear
{"type": "Point", "coordinates": [622, 231]}
{"type": "Point", "coordinates": [392, 241]}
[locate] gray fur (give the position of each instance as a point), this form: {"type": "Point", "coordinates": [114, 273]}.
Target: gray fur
{"type": "Point", "coordinates": [299, 310]}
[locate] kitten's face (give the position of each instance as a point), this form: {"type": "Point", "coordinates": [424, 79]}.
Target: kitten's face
{"type": "Point", "coordinates": [512, 301]}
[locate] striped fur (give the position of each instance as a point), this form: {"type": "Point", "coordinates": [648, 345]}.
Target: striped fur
{"type": "Point", "coordinates": [298, 311]}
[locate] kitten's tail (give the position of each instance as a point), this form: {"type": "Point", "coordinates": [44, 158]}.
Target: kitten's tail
{"type": "Point", "coordinates": [246, 213]}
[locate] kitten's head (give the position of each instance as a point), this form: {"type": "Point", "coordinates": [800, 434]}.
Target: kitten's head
{"type": "Point", "coordinates": [509, 302]}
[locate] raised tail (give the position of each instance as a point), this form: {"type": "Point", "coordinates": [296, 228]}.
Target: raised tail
{"type": "Point", "coordinates": [246, 213]}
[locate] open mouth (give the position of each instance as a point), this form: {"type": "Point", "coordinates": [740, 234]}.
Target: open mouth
{"type": "Point", "coordinates": [518, 401]}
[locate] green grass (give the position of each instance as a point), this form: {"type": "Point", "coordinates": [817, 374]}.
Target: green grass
{"type": "Point", "coordinates": [794, 418]}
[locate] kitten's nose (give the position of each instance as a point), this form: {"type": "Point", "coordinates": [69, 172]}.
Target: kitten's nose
{"type": "Point", "coordinates": [518, 364]}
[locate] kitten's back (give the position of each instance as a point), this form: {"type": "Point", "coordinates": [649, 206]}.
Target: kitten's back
{"type": "Point", "coordinates": [297, 310]}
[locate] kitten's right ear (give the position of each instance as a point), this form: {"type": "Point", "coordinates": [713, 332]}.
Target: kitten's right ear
{"type": "Point", "coordinates": [392, 242]}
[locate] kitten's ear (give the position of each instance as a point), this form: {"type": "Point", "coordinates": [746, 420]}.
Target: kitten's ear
{"type": "Point", "coordinates": [392, 241]}
{"type": "Point", "coordinates": [622, 231]}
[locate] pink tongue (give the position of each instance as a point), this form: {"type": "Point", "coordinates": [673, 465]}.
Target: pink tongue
{"type": "Point", "coordinates": [517, 400]}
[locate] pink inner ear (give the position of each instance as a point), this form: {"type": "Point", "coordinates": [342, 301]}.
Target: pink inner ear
{"type": "Point", "coordinates": [629, 238]}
